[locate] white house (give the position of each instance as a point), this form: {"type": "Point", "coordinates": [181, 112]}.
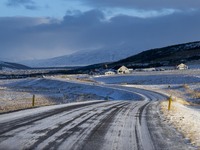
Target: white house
{"type": "Point", "coordinates": [182, 66]}
{"type": "Point", "coordinates": [123, 70]}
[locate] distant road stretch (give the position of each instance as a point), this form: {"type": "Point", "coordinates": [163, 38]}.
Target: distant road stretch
{"type": "Point", "coordinates": [100, 125]}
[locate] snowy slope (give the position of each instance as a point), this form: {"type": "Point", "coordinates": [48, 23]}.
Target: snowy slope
{"type": "Point", "coordinates": [82, 58]}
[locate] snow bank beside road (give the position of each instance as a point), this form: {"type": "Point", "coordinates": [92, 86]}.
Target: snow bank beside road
{"type": "Point", "coordinates": [184, 119]}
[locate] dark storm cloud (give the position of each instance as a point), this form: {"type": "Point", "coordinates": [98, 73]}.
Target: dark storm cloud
{"type": "Point", "coordinates": [28, 4]}
{"type": "Point", "coordinates": [146, 4]}
{"type": "Point", "coordinates": [43, 37]}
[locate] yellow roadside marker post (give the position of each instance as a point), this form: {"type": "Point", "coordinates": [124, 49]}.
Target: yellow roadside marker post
{"type": "Point", "coordinates": [170, 102]}
{"type": "Point", "coordinates": [33, 101]}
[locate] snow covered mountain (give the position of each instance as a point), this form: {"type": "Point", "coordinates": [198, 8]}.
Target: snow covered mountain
{"type": "Point", "coordinates": [82, 58]}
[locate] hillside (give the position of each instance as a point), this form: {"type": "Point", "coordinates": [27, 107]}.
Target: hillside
{"type": "Point", "coordinates": [166, 56]}
{"type": "Point", "coordinates": [188, 53]}
{"type": "Point", "coordinates": [11, 66]}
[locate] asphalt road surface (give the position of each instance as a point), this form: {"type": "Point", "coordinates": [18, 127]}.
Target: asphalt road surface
{"type": "Point", "coordinates": [101, 125]}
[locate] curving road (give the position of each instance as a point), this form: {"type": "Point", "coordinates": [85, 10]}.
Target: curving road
{"type": "Point", "coordinates": [100, 125]}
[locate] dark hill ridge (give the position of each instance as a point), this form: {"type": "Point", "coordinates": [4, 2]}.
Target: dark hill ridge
{"type": "Point", "coordinates": [9, 65]}
{"type": "Point", "coordinates": [166, 56]}
{"type": "Point", "coordinates": [171, 55]}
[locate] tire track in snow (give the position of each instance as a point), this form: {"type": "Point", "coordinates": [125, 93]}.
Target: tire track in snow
{"type": "Point", "coordinates": [96, 138]}
{"type": "Point", "coordinates": [31, 122]}
{"type": "Point", "coordinates": [49, 131]}
{"type": "Point", "coordinates": [78, 133]}
{"type": "Point", "coordinates": [12, 125]}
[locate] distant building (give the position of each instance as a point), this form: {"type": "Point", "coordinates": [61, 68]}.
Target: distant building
{"type": "Point", "coordinates": [182, 67]}
{"type": "Point", "coordinates": [130, 70]}
{"type": "Point", "coordinates": [149, 69]}
{"type": "Point", "coordinates": [122, 70]}
{"type": "Point", "coordinates": [109, 73]}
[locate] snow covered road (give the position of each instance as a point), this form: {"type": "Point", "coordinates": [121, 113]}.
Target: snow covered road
{"type": "Point", "coordinates": [104, 125]}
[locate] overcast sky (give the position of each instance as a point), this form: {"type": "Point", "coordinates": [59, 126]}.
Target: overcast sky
{"type": "Point", "coordinates": [36, 29]}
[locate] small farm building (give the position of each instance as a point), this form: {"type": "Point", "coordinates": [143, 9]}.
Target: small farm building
{"type": "Point", "coordinates": [182, 67]}
{"type": "Point", "coordinates": [122, 70]}
{"type": "Point", "coordinates": [109, 73]}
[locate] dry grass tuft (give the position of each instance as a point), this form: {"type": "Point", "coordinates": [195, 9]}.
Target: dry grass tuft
{"type": "Point", "coordinates": [181, 101]}
{"type": "Point", "coordinates": [195, 94]}
{"type": "Point", "coordinates": [25, 103]}
{"type": "Point", "coordinates": [186, 86]}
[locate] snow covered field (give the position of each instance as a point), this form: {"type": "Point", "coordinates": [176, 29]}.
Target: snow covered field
{"type": "Point", "coordinates": [179, 83]}
{"type": "Point", "coordinates": [154, 77]}
{"type": "Point", "coordinates": [17, 94]}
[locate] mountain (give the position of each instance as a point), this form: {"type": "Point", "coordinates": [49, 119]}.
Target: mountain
{"type": "Point", "coordinates": [188, 53]}
{"type": "Point", "coordinates": [82, 58]}
{"type": "Point", "coordinates": [11, 66]}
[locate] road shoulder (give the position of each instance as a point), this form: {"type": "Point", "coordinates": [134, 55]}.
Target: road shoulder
{"type": "Point", "coordinates": [164, 135]}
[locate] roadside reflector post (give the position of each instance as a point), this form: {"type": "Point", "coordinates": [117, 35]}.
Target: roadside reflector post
{"type": "Point", "coordinates": [33, 101]}
{"type": "Point", "coordinates": [170, 102]}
